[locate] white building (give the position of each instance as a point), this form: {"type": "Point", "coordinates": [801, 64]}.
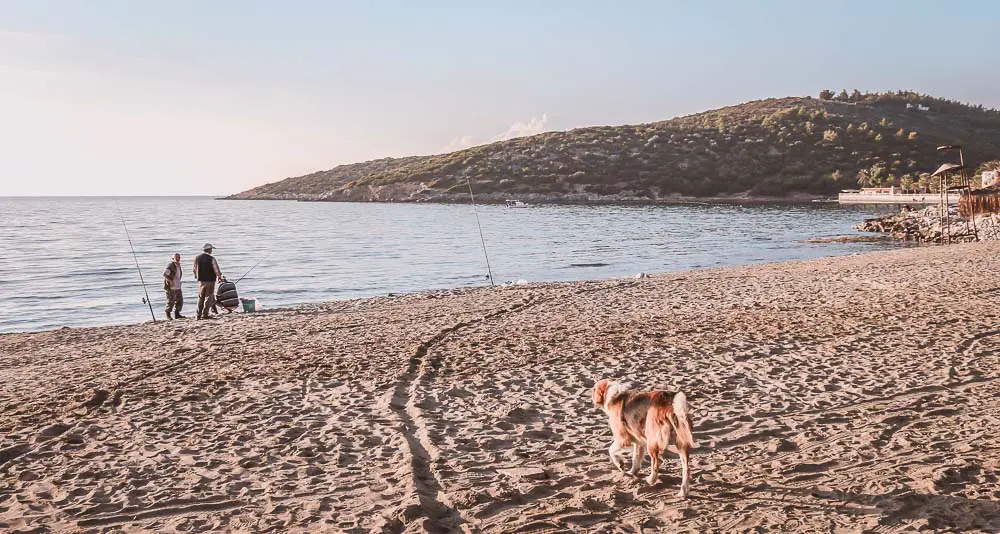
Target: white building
{"type": "Point", "coordinates": [991, 178]}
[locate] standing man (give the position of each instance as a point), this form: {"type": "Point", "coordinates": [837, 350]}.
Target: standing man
{"type": "Point", "coordinates": [172, 286]}
{"type": "Point", "coordinates": [207, 271]}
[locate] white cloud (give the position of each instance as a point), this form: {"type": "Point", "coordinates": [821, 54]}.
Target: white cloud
{"type": "Point", "coordinates": [459, 143]}
{"type": "Point", "coordinates": [535, 125]}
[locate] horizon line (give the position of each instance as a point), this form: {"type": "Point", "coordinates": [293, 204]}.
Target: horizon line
{"type": "Point", "coordinates": [118, 196]}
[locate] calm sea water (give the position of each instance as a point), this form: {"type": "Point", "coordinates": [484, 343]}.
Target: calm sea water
{"type": "Point", "coordinates": [66, 261]}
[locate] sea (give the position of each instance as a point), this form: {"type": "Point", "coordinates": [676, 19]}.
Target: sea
{"type": "Point", "coordinates": [68, 261]}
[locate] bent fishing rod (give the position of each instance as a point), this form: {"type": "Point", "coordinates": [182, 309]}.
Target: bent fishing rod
{"type": "Point", "coordinates": [134, 256]}
{"type": "Point", "coordinates": [483, 240]}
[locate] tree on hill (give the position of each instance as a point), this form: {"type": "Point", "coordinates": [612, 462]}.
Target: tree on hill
{"type": "Point", "coordinates": [992, 165]}
{"type": "Point", "coordinates": [842, 95]}
{"type": "Point", "coordinates": [878, 172]}
{"type": "Point", "coordinates": [826, 94]}
{"type": "Point", "coordinates": [864, 178]}
{"type": "Point", "coordinates": [907, 182]}
{"type": "Point", "coordinates": [933, 185]}
{"type": "Point", "coordinates": [924, 182]}
{"type": "Point", "coordinates": [855, 96]}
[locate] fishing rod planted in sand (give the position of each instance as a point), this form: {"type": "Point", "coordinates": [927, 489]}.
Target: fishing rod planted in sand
{"type": "Point", "coordinates": [481, 238]}
{"type": "Point", "coordinates": [141, 281]}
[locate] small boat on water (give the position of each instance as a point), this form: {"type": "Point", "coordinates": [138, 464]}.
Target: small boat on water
{"type": "Point", "coordinates": [515, 204]}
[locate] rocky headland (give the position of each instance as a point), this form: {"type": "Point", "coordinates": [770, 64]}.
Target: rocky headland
{"type": "Point", "coordinates": [810, 147]}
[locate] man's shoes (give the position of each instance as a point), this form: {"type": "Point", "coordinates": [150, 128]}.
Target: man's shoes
{"type": "Point", "coordinates": [179, 316]}
{"type": "Point", "coordinates": [168, 316]}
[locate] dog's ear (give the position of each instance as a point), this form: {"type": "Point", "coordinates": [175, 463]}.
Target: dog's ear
{"type": "Point", "coordinates": [600, 392]}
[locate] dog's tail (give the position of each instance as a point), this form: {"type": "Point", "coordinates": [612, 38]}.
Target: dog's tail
{"type": "Point", "coordinates": [685, 439]}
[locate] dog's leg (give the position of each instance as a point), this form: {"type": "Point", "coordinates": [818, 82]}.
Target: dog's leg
{"type": "Point", "coordinates": [613, 451]}
{"type": "Point", "coordinates": [654, 464]}
{"type": "Point", "coordinates": [685, 473]}
{"type": "Point", "coordinates": [636, 458]}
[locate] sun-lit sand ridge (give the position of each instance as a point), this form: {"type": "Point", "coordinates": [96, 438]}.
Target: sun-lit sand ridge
{"type": "Point", "coordinates": [858, 393]}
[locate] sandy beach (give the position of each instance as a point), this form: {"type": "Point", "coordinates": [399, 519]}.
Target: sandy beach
{"type": "Point", "coordinates": [850, 394]}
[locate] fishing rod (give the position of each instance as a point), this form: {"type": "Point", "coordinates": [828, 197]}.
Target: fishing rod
{"type": "Point", "coordinates": [141, 281]}
{"type": "Point", "coordinates": [481, 238]}
{"type": "Point", "coordinates": [248, 272]}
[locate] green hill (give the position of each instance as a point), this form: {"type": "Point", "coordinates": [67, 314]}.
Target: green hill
{"type": "Point", "coordinates": [774, 147]}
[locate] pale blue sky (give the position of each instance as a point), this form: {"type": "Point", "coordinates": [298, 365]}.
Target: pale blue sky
{"type": "Point", "coordinates": [211, 97]}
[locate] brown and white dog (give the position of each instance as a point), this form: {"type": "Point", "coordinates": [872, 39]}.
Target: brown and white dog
{"type": "Point", "coordinates": [650, 420]}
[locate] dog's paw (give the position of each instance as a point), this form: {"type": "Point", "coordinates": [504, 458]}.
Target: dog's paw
{"type": "Point", "coordinates": [683, 493]}
{"type": "Point", "coordinates": [651, 479]}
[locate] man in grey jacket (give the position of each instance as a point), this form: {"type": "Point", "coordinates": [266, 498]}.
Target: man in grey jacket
{"type": "Point", "coordinates": [172, 286]}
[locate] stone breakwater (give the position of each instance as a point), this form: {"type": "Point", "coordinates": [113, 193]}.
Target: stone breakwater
{"type": "Point", "coordinates": [927, 226]}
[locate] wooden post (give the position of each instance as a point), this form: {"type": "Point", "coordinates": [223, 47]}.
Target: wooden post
{"type": "Point", "coordinates": [941, 208]}
{"type": "Point", "coordinates": [947, 212]}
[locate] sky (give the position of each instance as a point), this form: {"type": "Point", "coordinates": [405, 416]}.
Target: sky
{"type": "Point", "coordinates": [187, 97]}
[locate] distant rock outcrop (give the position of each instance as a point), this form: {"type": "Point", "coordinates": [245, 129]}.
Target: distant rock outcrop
{"type": "Point", "coordinates": [772, 147]}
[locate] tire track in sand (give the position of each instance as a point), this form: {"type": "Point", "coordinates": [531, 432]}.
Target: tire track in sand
{"type": "Point", "coordinates": [432, 502]}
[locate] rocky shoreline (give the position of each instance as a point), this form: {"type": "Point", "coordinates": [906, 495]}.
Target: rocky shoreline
{"type": "Point", "coordinates": [925, 226]}
{"type": "Point", "coordinates": [538, 198]}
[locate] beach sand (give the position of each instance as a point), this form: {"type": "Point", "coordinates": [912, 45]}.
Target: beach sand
{"type": "Point", "coordinates": [844, 394]}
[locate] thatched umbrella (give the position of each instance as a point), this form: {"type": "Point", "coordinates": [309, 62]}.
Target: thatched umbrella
{"type": "Point", "coordinates": [947, 168]}
{"type": "Point", "coordinates": [943, 174]}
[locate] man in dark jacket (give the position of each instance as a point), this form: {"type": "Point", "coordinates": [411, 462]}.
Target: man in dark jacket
{"type": "Point", "coordinates": [207, 272]}
{"type": "Point", "coordinates": [172, 286]}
